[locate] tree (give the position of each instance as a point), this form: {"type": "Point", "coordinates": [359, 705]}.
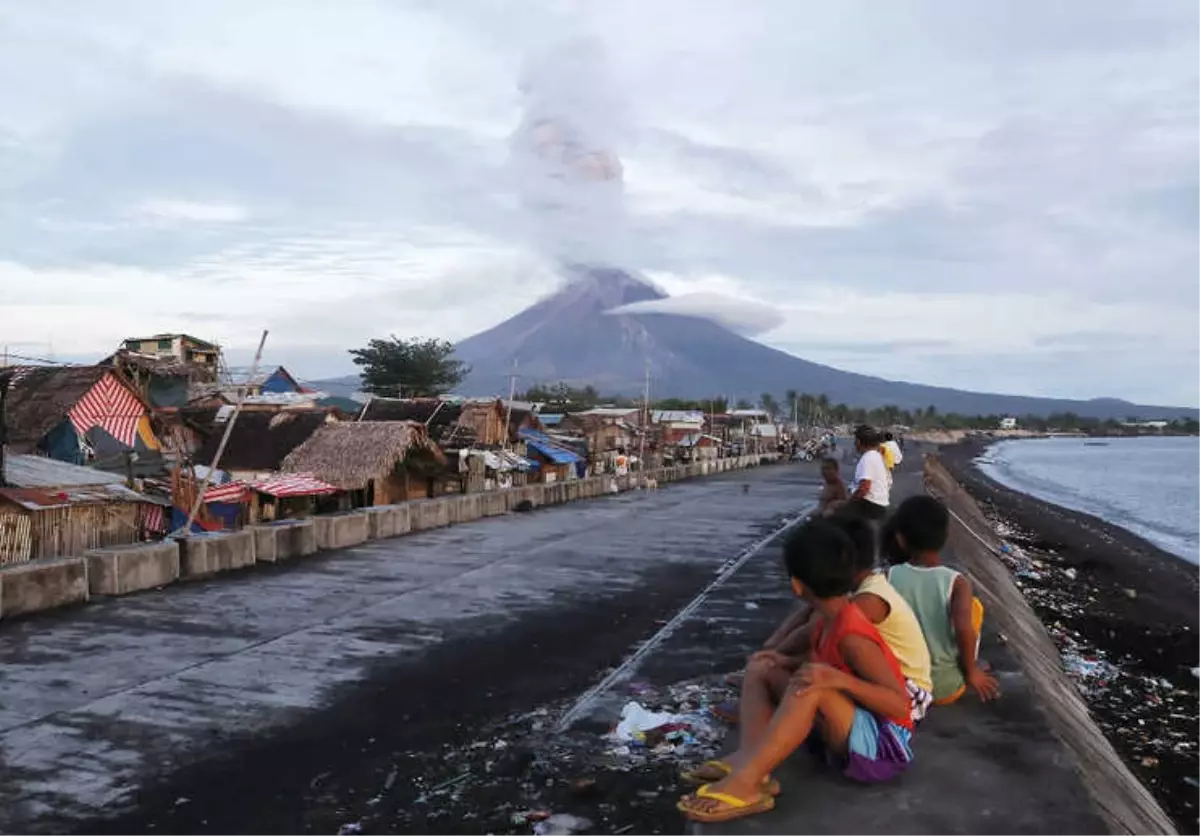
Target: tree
{"type": "Point", "coordinates": [415, 368]}
{"type": "Point", "coordinates": [769, 404]}
{"type": "Point", "coordinates": [790, 402]}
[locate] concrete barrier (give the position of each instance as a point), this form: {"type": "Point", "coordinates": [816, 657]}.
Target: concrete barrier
{"type": "Point", "coordinates": [381, 521]}
{"type": "Point", "coordinates": [42, 585]}
{"type": "Point", "coordinates": [341, 531]}
{"type": "Point", "coordinates": [201, 555]}
{"type": "Point", "coordinates": [493, 503]}
{"type": "Point", "coordinates": [426, 514]}
{"type": "Point", "coordinates": [283, 540]}
{"type": "Point", "coordinates": [120, 570]}
{"type": "Point", "coordinates": [464, 508]}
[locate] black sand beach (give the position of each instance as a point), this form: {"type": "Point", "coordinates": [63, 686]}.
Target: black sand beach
{"type": "Point", "coordinates": [1124, 615]}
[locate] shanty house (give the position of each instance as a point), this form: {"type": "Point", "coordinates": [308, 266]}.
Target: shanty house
{"type": "Point", "coordinates": [281, 380]}
{"type": "Point", "coordinates": [677, 424]}
{"type": "Point", "coordinates": [76, 414]}
{"type": "Point", "coordinates": [522, 415]}
{"type": "Point", "coordinates": [181, 347]}
{"type": "Point", "coordinates": [452, 425]}
{"type": "Point", "coordinates": [375, 462]}
{"type": "Point", "coordinates": [50, 508]}
{"type": "Point", "coordinates": [556, 462]}
{"type": "Point", "coordinates": [260, 440]}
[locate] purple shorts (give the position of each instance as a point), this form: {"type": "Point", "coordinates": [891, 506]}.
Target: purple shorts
{"type": "Point", "coordinates": [879, 750]}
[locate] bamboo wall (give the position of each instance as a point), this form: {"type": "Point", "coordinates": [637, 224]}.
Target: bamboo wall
{"type": "Point", "coordinates": [63, 532]}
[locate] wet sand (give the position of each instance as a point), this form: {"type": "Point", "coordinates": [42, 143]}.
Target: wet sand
{"type": "Point", "coordinates": [1123, 613]}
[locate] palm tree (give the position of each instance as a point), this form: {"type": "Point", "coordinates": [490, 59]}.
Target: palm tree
{"type": "Point", "coordinates": [769, 404]}
{"type": "Point", "coordinates": [791, 397]}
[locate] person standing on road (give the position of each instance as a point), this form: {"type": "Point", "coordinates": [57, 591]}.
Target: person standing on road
{"type": "Point", "coordinates": [871, 494]}
{"type": "Point", "coordinates": [894, 449]}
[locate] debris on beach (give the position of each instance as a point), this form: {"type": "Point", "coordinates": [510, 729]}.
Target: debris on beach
{"type": "Point", "coordinates": [561, 824]}
{"type": "Point", "coordinates": [1149, 718]}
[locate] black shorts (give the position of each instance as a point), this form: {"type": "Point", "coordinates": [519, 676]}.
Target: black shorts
{"type": "Point", "coordinates": [863, 509]}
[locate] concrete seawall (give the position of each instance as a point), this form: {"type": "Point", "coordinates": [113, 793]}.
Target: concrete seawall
{"type": "Point", "coordinates": [1126, 805]}
{"type": "Point", "coordinates": [121, 570]}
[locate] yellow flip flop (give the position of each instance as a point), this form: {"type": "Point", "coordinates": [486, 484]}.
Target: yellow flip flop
{"type": "Point", "coordinates": [735, 808]}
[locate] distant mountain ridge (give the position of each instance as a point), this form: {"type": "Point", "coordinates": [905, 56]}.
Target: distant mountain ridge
{"type": "Point", "coordinates": [568, 337]}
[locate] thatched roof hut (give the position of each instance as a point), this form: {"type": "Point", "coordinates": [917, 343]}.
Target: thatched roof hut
{"type": "Point", "coordinates": [350, 455]}
{"type": "Point", "coordinates": [260, 441]}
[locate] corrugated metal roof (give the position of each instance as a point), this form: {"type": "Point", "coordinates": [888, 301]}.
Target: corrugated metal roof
{"type": "Point", "coordinates": [678, 416]}
{"type": "Point", "coordinates": [608, 411]}
{"type": "Point", "coordinates": [26, 471]}
{"type": "Point", "coordinates": [39, 499]}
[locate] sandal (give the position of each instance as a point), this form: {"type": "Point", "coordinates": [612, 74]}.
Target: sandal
{"type": "Point", "coordinates": [732, 806]}
{"type": "Point", "coordinates": [718, 770]}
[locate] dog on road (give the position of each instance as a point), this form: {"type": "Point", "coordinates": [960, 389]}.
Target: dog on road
{"type": "Point", "coordinates": [650, 483]}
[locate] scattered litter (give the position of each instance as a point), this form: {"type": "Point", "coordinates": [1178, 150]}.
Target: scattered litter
{"type": "Point", "coordinates": [352, 827]}
{"type": "Point", "coordinates": [1196, 672]}
{"type": "Point", "coordinates": [584, 786]}
{"type": "Point", "coordinates": [1070, 573]}
{"type": "Point", "coordinates": [391, 779]}
{"type": "Point", "coordinates": [561, 824]}
{"type": "Point", "coordinates": [750, 605]}
{"type": "Point", "coordinates": [636, 719]}
{"type": "Point", "coordinates": [1130, 593]}
{"type": "Point", "coordinates": [183, 799]}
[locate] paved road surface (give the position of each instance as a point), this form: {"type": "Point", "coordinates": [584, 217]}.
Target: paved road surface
{"type": "Point", "coordinates": [225, 705]}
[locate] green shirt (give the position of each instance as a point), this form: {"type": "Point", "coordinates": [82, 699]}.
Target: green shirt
{"type": "Point", "coordinates": [927, 590]}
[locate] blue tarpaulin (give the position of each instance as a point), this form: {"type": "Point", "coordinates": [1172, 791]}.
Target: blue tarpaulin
{"type": "Point", "coordinates": [544, 445]}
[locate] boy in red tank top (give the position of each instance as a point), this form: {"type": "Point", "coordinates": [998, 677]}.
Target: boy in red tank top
{"type": "Point", "coordinates": [850, 700]}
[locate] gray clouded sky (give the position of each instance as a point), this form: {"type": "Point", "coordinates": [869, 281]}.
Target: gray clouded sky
{"type": "Point", "coordinates": [983, 195]}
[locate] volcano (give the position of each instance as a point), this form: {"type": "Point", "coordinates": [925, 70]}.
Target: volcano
{"type": "Point", "coordinates": [570, 337]}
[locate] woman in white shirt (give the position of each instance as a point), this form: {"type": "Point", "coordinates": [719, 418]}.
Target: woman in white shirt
{"type": "Point", "coordinates": [871, 493]}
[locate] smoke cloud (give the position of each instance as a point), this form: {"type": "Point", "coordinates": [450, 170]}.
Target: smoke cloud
{"type": "Point", "coordinates": [564, 153]}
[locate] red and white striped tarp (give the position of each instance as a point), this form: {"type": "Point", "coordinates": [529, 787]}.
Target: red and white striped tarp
{"type": "Point", "coordinates": [293, 484]}
{"type": "Point", "coordinates": [229, 492]}
{"type": "Point", "coordinates": [110, 406]}
{"type": "Point", "coordinates": [153, 519]}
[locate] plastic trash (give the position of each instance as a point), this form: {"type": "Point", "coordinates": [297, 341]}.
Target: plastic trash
{"type": "Point", "coordinates": [561, 824]}
{"type": "Point", "coordinates": [635, 720]}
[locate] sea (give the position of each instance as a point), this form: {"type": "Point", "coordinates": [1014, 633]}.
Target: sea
{"type": "Point", "coordinates": [1149, 486]}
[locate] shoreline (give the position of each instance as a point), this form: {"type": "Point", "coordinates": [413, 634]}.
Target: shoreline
{"type": "Point", "coordinates": [1122, 612]}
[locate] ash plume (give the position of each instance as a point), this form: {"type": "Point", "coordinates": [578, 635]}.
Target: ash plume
{"type": "Point", "coordinates": [564, 157]}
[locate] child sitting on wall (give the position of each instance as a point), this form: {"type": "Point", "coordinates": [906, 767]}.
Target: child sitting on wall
{"type": "Point", "coordinates": [850, 701]}
{"type": "Point", "coordinates": [833, 491]}
{"type": "Point", "coordinates": [942, 598]}
{"type": "Point", "coordinates": [789, 647]}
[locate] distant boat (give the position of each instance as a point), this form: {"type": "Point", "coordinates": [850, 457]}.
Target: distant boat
{"type": "Point", "coordinates": [1095, 444]}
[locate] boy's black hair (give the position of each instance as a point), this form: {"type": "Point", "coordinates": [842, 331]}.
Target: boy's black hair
{"type": "Point", "coordinates": [831, 461]}
{"type": "Point", "coordinates": [863, 537]}
{"type": "Point", "coordinates": [867, 436]}
{"type": "Point", "coordinates": [924, 522]}
{"type": "Point", "coordinates": [888, 437]}
{"type": "Point", "coordinates": [820, 555]}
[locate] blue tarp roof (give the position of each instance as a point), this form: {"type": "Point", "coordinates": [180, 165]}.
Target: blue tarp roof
{"type": "Point", "coordinates": [547, 447]}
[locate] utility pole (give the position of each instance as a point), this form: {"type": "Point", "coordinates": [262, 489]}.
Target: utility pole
{"type": "Point", "coordinates": [241, 398]}
{"type": "Point", "coordinates": [512, 393]}
{"type": "Point", "coordinates": [5, 378]}
{"type": "Point", "coordinates": [645, 424]}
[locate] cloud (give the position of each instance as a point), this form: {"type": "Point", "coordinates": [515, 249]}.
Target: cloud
{"type": "Point", "coordinates": [745, 316]}
{"type": "Point", "coordinates": [959, 194]}
{"type": "Point", "coordinates": [191, 211]}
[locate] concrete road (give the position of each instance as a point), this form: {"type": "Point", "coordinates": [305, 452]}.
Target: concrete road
{"type": "Point", "coordinates": [222, 705]}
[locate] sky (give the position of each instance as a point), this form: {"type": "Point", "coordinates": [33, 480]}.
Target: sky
{"type": "Point", "coordinates": [999, 197]}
